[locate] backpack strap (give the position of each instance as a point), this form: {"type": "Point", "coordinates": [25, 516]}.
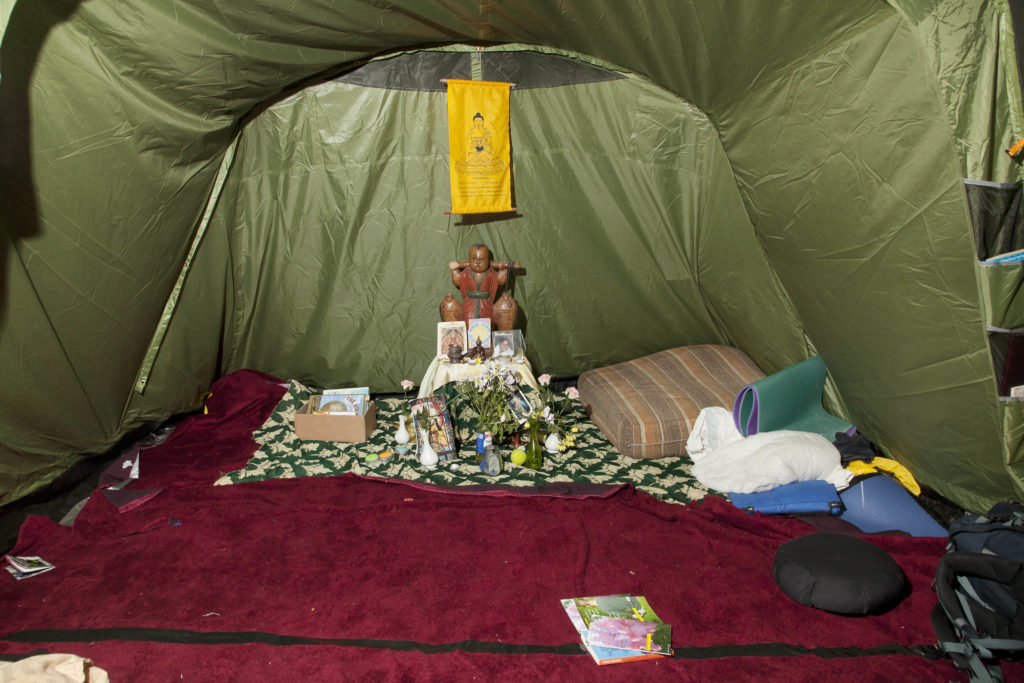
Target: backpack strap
{"type": "Point", "coordinates": [964, 656]}
{"type": "Point", "coordinates": [1004, 570]}
{"type": "Point", "coordinates": [955, 624]}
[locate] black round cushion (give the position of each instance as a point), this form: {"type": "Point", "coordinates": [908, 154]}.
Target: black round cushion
{"type": "Point", "coordinates": [839, 574]}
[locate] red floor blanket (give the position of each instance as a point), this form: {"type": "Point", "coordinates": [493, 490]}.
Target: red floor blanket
{"type": "Point", "coordinates": [349, 578]}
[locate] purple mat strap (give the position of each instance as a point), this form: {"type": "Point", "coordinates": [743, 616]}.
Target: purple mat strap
{"type": "Point", "coordinates": [751, 427]}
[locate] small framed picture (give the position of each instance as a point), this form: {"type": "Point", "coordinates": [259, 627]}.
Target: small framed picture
{"type": "Point", "coordinates": [479, 332]}
{"type": "Point", "coordinates": [431, 419]}
{"type": "Point", "coordinates": [504, 344]}
{"type": "Point", "coordinates": [519, 404]}
{"type": "Point", "coordinates": [449, 333]}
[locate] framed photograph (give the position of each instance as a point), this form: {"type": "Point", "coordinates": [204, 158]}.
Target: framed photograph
{"type": "Point", "coordinates": [504, 344]}
{"type": "Point", "coordinates": [430, 418]}
{"type": "Point", "coordinates": [479, 331]}
{"type": "Point", "coordinates": [519, 404]}
{"type": "Point", "coordinates": [449, 333]}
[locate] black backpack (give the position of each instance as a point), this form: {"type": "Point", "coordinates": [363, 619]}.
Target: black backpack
{"type": "Point", "coordinates": [980, 586]}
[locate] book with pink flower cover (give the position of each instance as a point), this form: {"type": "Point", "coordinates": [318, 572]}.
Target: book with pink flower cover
{"type": "Point", "coordinates": [641, 647]}
{"type": "Point", "coordinates": [626, 622]}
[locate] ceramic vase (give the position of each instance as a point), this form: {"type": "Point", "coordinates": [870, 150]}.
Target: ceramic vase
{"type": "Point", "coordinates": [504, 312]}
{"type": "Point", "coordinates": [451, 309]}
{"type": "Point", "coordinates": [428, 456]}
{"type": "Point", "coordinates": [401, 436]}
{"type": "Point", "coordinates": [552, 442]}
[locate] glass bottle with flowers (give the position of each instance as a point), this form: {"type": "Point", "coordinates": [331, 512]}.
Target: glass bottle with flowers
{"type": "Point", "coordinates": [553, 416]}
{"type": "Point", "coordinates": [534, 448]}
{"type": "Point", "coordinates": [404, 420]}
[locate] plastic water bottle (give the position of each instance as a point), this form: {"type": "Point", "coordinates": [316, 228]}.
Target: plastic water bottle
{"type": "Point", "coordinates": [490, 464]}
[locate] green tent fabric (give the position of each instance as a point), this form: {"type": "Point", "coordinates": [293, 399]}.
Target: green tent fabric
{"type": "Point", "coordinates": [189, 189]}
{"type": "Point", "coordinates": [788, 399]}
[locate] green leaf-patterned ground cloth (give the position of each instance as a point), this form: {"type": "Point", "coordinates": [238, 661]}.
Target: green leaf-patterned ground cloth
{"type": "Point", "coordinates": [282, 455]}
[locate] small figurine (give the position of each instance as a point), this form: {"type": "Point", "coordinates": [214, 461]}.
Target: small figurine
{"type": "Point", "coordinates": [478, 351]}
{"type": "Point", "coordinates": [478, 280]}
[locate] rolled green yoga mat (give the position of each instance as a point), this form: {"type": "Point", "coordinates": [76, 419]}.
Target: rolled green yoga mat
{"type": "Point", "coordinates": [788, 399]}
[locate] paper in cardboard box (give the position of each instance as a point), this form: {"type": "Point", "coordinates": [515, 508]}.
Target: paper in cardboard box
{"type": "Point", "coordinates": [321, 427]}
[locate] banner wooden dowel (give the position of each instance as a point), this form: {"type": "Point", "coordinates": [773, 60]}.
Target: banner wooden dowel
{"type": "Point", "coordinates": [511, 85]}
{"type": "Point", "coordinates": [452, 213]}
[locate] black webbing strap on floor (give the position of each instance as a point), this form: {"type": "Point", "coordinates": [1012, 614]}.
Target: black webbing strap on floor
{"type": "Point", "coordinates": [788, 650]}
{"type": "Point", "coordinates": [17, 658]}
{"type": "Point", "coordinates": [188, 637]}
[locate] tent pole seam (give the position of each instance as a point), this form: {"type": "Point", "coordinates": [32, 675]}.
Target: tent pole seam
{"type": "Point", "coordinates": [142, 378]}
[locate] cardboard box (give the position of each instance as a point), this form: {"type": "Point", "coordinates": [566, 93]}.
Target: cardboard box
{"type": "Point", "coordinates": [310, 427]}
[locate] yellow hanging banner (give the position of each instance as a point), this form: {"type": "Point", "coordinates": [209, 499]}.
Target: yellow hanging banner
{"type": "Point", "coordinates": [479, 149]}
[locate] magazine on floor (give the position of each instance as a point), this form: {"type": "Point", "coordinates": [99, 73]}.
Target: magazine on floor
{"type": "Point", "coordinates": [24, 566]}
{"type": "Point", "coordinates": [603, 624]}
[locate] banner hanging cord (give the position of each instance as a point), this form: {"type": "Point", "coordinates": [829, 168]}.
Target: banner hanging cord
{"type": "Point", "coordinates": [477, 65]}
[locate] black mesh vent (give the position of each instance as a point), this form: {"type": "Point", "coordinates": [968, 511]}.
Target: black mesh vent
{"type": "Point", "coordinates": [425, 70]}
{"type": "Point", "coordinates": [415, 71]}
{"type": "Point", "coordinates": [539, 70]}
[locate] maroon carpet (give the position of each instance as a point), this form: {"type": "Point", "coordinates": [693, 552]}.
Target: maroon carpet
{"type": "Point", "coordinates": [344, 578]}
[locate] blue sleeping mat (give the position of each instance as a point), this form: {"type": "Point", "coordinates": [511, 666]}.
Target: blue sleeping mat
{"type": "Point", "coordinates": [880, 503]}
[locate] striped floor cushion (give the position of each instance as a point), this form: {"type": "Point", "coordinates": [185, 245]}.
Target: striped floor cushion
{"type": "Point", "coordinates": [647, 406]}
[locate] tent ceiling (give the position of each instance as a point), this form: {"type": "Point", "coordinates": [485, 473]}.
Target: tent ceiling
{"type": "Point", "coordinates": [844, 130]}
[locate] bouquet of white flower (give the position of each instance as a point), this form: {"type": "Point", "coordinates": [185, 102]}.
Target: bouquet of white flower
{"type": "Point", "coordinates": [553, 411]}
{"type": "Point", "coordinates": [489, 396]}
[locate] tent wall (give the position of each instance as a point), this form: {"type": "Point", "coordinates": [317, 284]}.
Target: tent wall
{"type": "Point", "coordinates": [841, 130]}
{"type": "Point", "coordinates": [970, 47]}
{"type": "Point", "coordinates": [885, 289]}
{"type": "Point", "coordinates": [340, 277]}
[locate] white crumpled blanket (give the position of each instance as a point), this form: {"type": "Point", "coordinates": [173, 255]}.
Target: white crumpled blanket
{"type": "Point", "coordinates": [52, 668]}
{"type": "Point", "coordinates": [712, 429]}
{"type": "Point", "coordinates": [726, 461]}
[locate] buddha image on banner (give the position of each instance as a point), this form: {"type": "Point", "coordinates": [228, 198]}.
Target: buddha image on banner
{"type": "Point", "coordinates": [478, 146]}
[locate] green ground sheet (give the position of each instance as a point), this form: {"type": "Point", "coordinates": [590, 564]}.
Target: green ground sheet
{"type": "Point", "coordinates": [281, 455]}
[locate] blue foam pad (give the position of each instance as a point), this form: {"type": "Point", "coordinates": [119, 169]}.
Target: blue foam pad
{"type": "Point", "coordinates": [800, 497]}
{"type": "Point", "coordinates": [880, 503]}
